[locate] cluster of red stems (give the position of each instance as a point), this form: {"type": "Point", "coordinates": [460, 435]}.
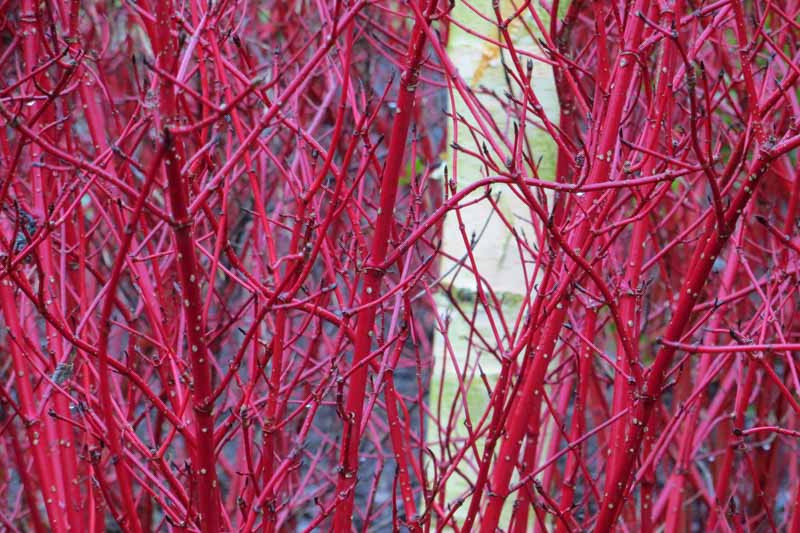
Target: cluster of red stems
{"type": "Point", "coordinates": [220, 234]}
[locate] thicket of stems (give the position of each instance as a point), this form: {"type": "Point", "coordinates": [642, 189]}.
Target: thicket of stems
{"type": "Point", "coordinates": [222, 273]}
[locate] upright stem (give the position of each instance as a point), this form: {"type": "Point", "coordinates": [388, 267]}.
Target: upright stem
{"type": "Point", "coordinates": [34, 428]}
{"type": "Point", "coordinates": [203, 404]}
{"type": "Point", "coordinates": [533, 379]}
{"type": "Point", "coordinates": [208, 516]}
{"type": "Point", "coordinates": [373, 274]}
{"type": "Point", "coordinates": [714, 240]}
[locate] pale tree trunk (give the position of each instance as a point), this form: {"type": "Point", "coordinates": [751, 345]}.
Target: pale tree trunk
{"type": "Point", "coordinates": [496, 254]}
